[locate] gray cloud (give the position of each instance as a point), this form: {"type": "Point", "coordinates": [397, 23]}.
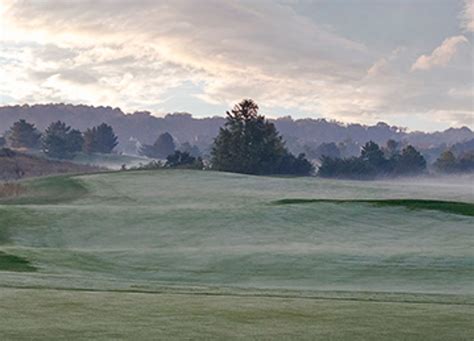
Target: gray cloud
{"type": "Point", "coordinates": [133, 52]}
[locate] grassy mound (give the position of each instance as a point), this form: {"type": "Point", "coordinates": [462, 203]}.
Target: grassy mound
{"type": "Point", "coordinates": [14, 263]}
{"type": "Point", "coordinates": [48, 190]}
{"type": "Point", "coordinates": [462, 208]}
{"type": "Point", "coordinates": [16, 165]}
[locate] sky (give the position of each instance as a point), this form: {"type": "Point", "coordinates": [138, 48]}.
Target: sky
{"type": "Point", "coordinates": [405, 62]}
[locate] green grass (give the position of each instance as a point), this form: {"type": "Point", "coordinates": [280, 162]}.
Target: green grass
{"type": "Point", "coordinates": [14, 263]}
{"type": "Point", "coordinates": [462, 208]}
{"type": "Point", "coordinates": [48, 190]}
{"type": "Point", "coordinates": [65, 315]}
{"type": "Point", "coordinates": [203, 255]}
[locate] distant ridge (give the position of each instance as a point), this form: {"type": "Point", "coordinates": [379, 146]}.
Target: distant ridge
{"type": "Point", "coordinates": [201, 131]}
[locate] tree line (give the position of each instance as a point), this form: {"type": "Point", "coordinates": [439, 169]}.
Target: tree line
{"type": "Point", "coordinates": [59, 140]}
{"type": "Point", "coordinates": [247, 143]}
{"type": "Point", "coordinates": [375, 162]}
{"type": "Point", "coordinates": [448, 162]}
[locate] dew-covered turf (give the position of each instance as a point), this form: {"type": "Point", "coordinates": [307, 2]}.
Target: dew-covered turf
{"type": "Point", "coordinates": [189, 254]}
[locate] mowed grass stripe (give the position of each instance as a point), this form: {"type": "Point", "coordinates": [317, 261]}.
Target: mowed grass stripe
{"type": "Point", "coordinates": [455, 207]}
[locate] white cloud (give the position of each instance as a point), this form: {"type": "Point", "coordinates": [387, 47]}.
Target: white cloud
{"type": "Point", "coordinates": [131, 54]}
{"type": "Point", "coordinates": [441, 55]}
{"type": "Point", "coordinates": [467, 16]}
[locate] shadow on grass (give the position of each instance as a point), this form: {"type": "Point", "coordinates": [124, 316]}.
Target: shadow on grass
{"type": "Point", "coordinates": [455, 207]}
{"type": "Point", "coordinates": [14, 263]}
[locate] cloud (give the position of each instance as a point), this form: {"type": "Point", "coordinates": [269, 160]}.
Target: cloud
{"type": "Point", "coordinates": [441, 55]}
{"type": "Point", "coordinates": [133, 54]}
{"type": "Point", "coordinates": [467, 16]}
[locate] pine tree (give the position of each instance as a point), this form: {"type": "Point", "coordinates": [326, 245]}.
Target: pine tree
{"type": "Point", "coordinates": [410, 162]}
{"type": "Point", "coordinates": [23, 135]}
{"type": "Point", "coordinates": [249, 144]}
{"type": "Point", "coordinates": [61, 142]}
{"type": "Point", "coordinates": [100, 139]}
{"type": "Point", "coordinates": [163, 146]}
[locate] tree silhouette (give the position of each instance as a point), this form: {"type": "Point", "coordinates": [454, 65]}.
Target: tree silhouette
{"type": "Point", "coordinates": [410, 162]}
{"type": "Point", "coordinates": [183, 160]}
{"type": "Point", "coordinates": [23, 135]}
{"type": "Point", "coordinates": [163, 146]}
{"type": "Point", "coordinates": [446, 162]}
{"type": "Point", "coordinates": [59, 141]}
{"type": "Point", "coordinates": [249, 144]}
{"type": "Point", "coordinates": [100, 139]}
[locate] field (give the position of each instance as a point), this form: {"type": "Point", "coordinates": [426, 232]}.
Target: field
{"type": "Point", "coordinates": [199, 255]}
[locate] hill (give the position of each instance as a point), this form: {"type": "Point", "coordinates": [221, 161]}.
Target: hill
{"type": "Point", "coordinates": [145, 127]}
{"type": "Point", "coordinates": [16, 165]}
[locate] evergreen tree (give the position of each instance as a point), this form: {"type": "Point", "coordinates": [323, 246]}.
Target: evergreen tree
{"type": "Point", "coordinates": [23, 135]}
{"type": "Point", "coordinates": [163, 146]}
{"type": "Point", "coordinates": [446, 162]}
{"type": "Point", "coordinates": [59, 141]}
{"type": "Point", "coordinates": [372, 163]}
{"type": "Point", "coordinates": [90, 143]}
{"type": "Point", "coordinates": [372, 153]}
{"type": "Point", "coordinates": [249, 144]}
{"type": "Point", "coordinates": [183, 160]}
{"type": "Point", "coordinates": [100, 139]}
{"type": "Point", "coordinates": [410, 162]}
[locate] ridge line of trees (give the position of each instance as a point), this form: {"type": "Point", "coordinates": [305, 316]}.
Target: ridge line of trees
{"type": "Point", "coordinates": [60, 141]}
{"type": "Point", "coordinates": [375, 162]}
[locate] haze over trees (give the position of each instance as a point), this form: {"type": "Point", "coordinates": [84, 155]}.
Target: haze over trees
{"type": "Point", "coordinates": [449, 163]}
{"type": "Point", "coordinates": [183, 160]}
{"type": "Point", "coordinates": [163, 146]}
{"type": "Point", "coordinates": [60, 142]}
{"type": "Point", "coordinates": [100, 139]}
{"type": "Point", "coordinates": [23, 135]}
{"type": "Point", "coordinates": [201, 132]}
{"type": "Point", "coordinates": [250, 144]}
{"type": "Point", "coordinates": [373, 162]}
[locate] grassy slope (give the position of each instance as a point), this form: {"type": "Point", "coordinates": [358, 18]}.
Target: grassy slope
{"type": "Point", "coordinates": [87, 228]}
{"type": "Point", "coordinates": [17, 164]}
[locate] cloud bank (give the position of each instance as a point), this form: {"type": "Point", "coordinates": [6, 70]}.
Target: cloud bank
{"type": "Point", "coordinates": [138, 54]}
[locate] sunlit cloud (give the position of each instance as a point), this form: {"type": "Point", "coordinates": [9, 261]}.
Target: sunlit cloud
{"type": "Point", "coordinates": [441, 55]}
{"type": "Point", "coordinates": [133, 54]}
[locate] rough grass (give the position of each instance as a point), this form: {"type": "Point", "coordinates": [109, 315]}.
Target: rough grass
{"type": "Point", "coordinates": [47, 190]}
{"type": "Point", "coordinates": [16, 165]}
{"type": "Point", "coordinates": [10, 189]}
{"type": "Point", "coordinates": [14, 263]}
{"type": "Point", "coordinates": [462, 208]}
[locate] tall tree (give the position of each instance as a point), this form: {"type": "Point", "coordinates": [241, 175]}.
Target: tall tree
{"type": "Point", "coordinates": [59, 141]}
{"type": "Point", "coordinates": [410, 162]}
{"type": "Point", "coordinates": [446, 162]}
{"type": "Point", "coordinates": [23, 135]}
{"type": "Point", "coordinates": [163, 146]}
{"type": "Point", "coordinates": [100, 139]}
{"type": "Point", "coordinates": [372, 153]}
{"type": "Point", "coordinates": [249, 144]}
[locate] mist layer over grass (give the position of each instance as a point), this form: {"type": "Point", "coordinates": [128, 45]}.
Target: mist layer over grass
{"type": "Point", "coordinates": [205, 233]}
